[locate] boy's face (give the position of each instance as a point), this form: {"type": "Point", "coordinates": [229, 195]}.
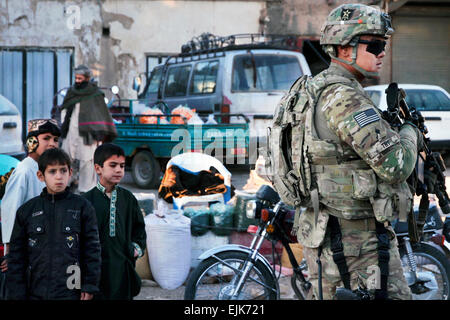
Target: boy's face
{"type": "Point", "coordinates": [46, 141]}
{"type": "Point", "coordinates": [56, 177]}
{"type": "Point", "coordinates": [112, 171]}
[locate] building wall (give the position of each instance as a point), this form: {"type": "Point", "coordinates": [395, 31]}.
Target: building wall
{"type": "Point", "coordinates": [113, 36]}
{"type": "Point", "coordinates": [305, 18]}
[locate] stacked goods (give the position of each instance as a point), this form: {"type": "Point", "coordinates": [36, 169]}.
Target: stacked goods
{"type": "Point", "coordinates": [200, 220]}
{"type": "Point", "coordinates": [222, 219]}
{"type": "Point", "coordinates": [153, 120]}
{"type": "Point", "coordinates": [185, 113]}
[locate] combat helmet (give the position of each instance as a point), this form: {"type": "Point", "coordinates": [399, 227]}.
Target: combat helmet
{"type": "Point", "coordinates": [347, 22]}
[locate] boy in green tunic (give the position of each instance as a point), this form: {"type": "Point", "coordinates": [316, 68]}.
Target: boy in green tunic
{"type": "Point", "coordinates": [120, 224]}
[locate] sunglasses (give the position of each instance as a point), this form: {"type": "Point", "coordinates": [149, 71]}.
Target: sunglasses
{"type": "Point", "coordinates": [374, 46]}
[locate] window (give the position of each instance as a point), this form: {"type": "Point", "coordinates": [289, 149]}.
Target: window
{"type": "Point", "coordinates": [255, 73]}
{"type": "Point", "coordinates": [427, 100]}
{"type": "Point", "coordinates": [177, 81]}
{"type": "Point", "coordinates": [204, 77]}
{"type": "Point", "coordinates": [155, 79]}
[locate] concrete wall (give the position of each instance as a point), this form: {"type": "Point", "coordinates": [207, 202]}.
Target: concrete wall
{"type": "Point", "coordinates": [139, 27]}
{"type": "Point", "coordinates": [112, 36]}
{"type": "Point", "coordinates": [44, 24]}
{"type": "Point", "coordinates": [305, 18]}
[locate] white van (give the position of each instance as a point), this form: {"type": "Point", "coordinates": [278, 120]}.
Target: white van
{"type": "Point", "coordinates": [10, 130]}
{"type": "Point", "coordinates": [432, 101]}
{"type": "Point", "coordinates": [243, 78]}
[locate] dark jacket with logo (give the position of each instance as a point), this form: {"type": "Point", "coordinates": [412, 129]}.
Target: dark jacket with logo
{"type": "Point", "coordinates": [54, 249]}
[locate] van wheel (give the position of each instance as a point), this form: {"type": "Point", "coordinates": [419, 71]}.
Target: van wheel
{"type": "Point", "coordinates": [145, 170]}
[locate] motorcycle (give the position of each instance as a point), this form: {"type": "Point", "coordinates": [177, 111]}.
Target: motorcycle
{"type": "Point", "coordinates": [425, 264]}
{"type": "Point", "coordinates": [237, 272]}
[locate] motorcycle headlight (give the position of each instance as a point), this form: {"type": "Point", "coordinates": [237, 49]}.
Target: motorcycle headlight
{"type": "Point", "coordinates": [250, 209]}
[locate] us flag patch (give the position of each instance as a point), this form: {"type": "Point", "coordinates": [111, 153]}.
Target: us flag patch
{"type": "Point", "coordinates": [365, 117]}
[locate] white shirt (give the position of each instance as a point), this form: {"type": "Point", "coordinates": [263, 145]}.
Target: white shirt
{"type": "Point", "coordinates": [22, 185]}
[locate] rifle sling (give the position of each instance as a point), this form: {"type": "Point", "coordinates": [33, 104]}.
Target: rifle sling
{"type": "Point", "coordinates": [339, 258]}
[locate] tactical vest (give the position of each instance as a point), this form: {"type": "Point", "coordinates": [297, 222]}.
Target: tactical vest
{"type": "Point", "coordinates": [308, 171]}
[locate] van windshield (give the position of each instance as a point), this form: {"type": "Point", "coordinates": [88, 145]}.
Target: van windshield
{"type": "Point", "coordinates": [427, 100]}
{"type": "Point", "coordinates": [7, 108]}
{"type": "Point", "coordinates": [154, 80]}
{"type": "Point", "coordinates": [264, 72]}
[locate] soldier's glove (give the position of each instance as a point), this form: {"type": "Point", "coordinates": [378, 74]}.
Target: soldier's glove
{"type": "Point", "coordinates": [420, 141]}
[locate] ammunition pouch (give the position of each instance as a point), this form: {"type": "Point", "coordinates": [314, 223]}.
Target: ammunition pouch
{"type": "Point", "coordinates": [392, 200]}
{"type": "Point", "coordinates": [346, 188]}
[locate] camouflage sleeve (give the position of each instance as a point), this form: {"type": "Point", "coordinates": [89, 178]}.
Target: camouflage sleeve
{"type": "Point", "coordinates": [357, 122]}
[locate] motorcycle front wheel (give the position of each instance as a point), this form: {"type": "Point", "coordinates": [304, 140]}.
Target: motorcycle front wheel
{"type": "Point", "coordinates": [433, 272]}
{"type": "Point", "coordinates": [216, 278]}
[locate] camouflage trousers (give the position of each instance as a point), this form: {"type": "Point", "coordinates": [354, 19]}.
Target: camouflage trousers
{"type": "Point", "coordinates": [360, 250]}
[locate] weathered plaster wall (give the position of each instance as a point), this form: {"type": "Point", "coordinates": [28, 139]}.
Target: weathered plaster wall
{"type": "Point", "coordinates": [135, 27]}
{"type": "Point", "coordinates": [305, 18]}
{"type": "Point", "coordinates": [25, 23]}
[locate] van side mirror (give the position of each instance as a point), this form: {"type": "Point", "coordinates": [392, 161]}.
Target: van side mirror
{"type": "Point", "coordinates": [136, 83]}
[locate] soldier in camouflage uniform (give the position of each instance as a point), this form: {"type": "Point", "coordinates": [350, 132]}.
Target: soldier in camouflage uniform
{"type": "Point", "coordinates": [358, 162]}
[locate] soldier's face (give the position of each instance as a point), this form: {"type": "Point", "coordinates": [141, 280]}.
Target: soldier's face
{"type": "Point", "coordinates": [366, 60]}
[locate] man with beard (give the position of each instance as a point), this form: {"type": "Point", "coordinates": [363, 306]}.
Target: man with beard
{"type": "Point", "coordinates": [86, 123]}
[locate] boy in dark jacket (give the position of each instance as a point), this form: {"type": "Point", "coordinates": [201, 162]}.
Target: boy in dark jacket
{"type": "Point", "coordinates": [120, 223]}
{"type": "Point", "coordinates": [54, 248]}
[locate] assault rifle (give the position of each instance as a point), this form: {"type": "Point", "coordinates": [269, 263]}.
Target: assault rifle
{"type": "Point", "coordinates": [428, 176]}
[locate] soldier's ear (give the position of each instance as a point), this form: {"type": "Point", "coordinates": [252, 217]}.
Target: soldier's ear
{"type": "Point", "coordinates": [344, 52]}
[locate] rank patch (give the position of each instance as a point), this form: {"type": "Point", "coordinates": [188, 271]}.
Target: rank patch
{"type": "Point", "coordinates": [365, 117]}
{"type": "Point", "coordinates": [346, 14]}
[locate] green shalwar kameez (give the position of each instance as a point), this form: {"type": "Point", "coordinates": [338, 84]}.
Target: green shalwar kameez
{"type": "Point", "coordinates": [121, 229]}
